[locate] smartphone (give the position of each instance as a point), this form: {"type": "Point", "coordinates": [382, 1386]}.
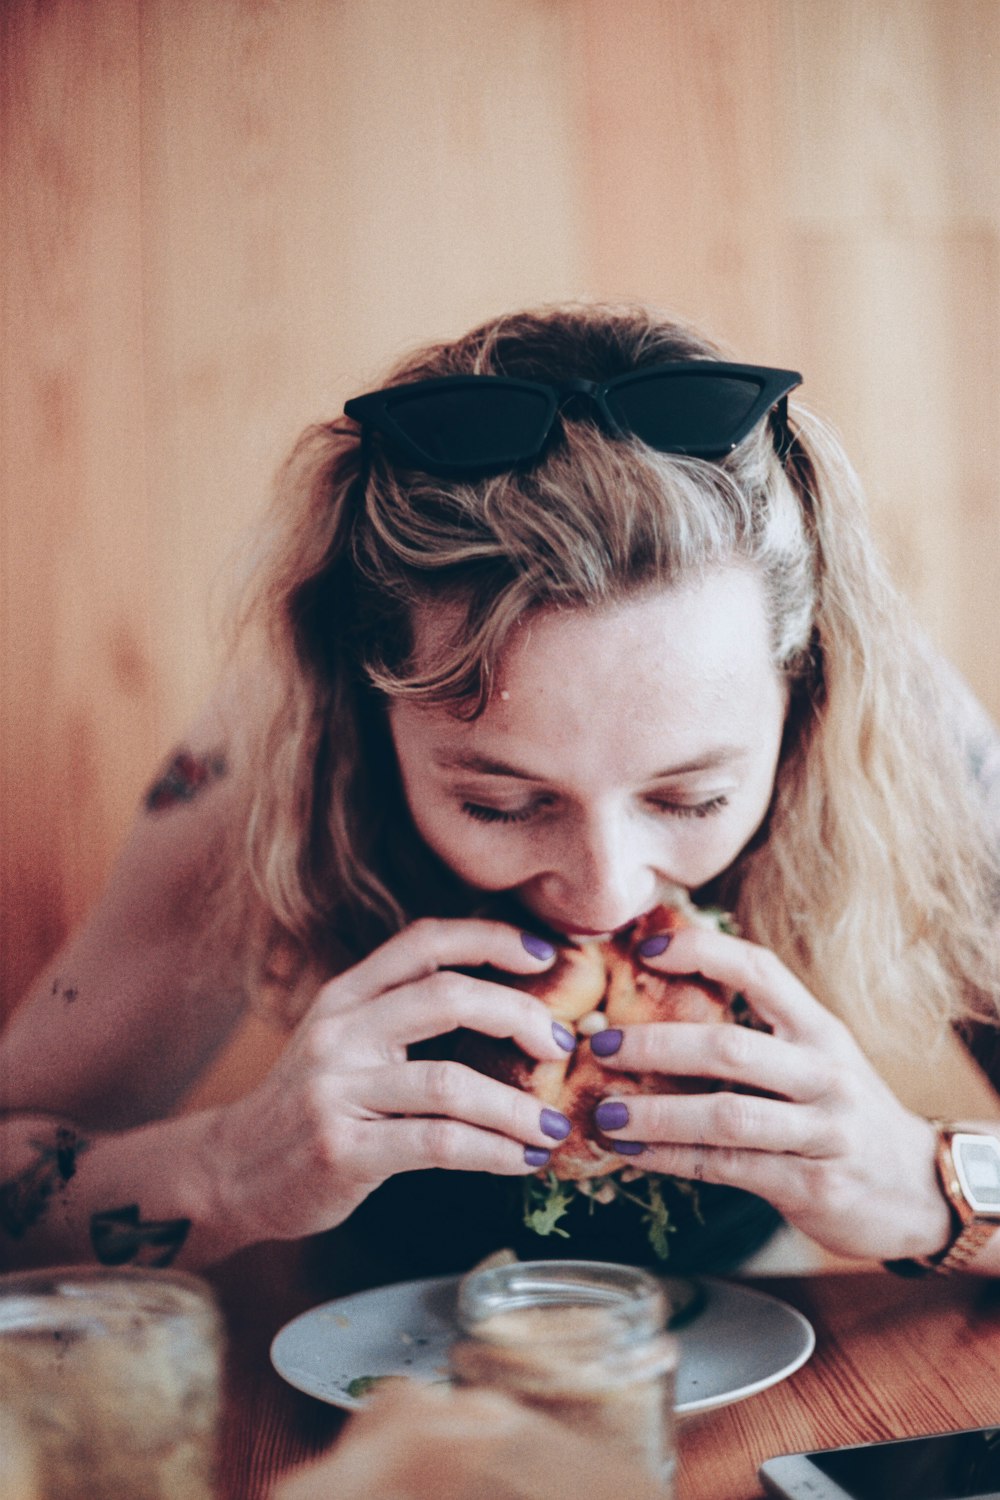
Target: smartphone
{"type": "Point", "coordinates": [943, 1466]}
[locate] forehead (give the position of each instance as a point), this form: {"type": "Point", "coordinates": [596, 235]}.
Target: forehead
{"type": "Point", "coordinates": [682, 670]}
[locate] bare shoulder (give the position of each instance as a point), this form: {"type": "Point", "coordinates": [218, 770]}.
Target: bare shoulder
{"type": "Point", "coordinates": [188, 823]}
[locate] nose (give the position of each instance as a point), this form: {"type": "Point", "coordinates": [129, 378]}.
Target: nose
{"type": "Point", "coordinates": [605, 874]}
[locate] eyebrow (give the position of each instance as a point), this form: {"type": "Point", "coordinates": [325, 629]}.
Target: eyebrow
{"type": "Point", "coordinates": [487, 765]}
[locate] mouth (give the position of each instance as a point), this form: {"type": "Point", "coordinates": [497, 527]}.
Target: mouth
{"type": "Point", "coordinates": [572, 933]}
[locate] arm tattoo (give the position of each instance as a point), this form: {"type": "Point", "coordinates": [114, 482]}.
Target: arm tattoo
{"type": "Point", "coordinates": [120, 1238]}
{"type": "Point", "coordinates": [185, 777]}
{"type": "Point", "coordinates": [26, 1198]}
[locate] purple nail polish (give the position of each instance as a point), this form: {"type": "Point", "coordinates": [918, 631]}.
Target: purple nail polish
{"type": "Point", "coordinates": [628, 1148]}
{"type": "Point", "coordinates": [555, 1124]}
{"type": "Point", "coordinates": [537, 946]}
{"type": "Point", "coordinates": [536, 1156]}
{"type": "Point", "coordinates": [606, 1043]}
{"type": "Point", "coordinates": [652, 947]}
{"type": "Point", "coordinates": [566, 1039]}
{"type": "Point", "coordinates": [611, 1115]}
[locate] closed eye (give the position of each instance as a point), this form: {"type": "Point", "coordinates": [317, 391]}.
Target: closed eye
{"type": "Point", "coordinates": [693, 809]}
{"type": "Point", "coordinates": [484, 814]}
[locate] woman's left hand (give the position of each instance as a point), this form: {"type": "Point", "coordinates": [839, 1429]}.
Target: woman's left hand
{"type": "Point", "coordinates": [825, 1141]}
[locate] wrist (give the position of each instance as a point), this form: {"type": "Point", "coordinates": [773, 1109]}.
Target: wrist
{"type": "Point", "coordinates": [967, 1168]}
{"type": "Point", "coordinates": [224, 1224]}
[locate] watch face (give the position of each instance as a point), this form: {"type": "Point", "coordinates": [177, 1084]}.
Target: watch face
{"type": "Point", "coordinates": [977, 1162]}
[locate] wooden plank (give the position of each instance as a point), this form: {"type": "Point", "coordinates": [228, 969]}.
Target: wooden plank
{"type": "Point", "coordinates": [684, 155]}
{"type": "Point", "coordinates": [323, 187]}
{"type": "Point", "coordinates": [900, 333]}
{"type": "Point", "coordinates": [78, 690]}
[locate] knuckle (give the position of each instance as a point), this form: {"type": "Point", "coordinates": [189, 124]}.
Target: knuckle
{"type": "Point", "coordinates": [833, 1139]}
{"type": "Point", "coordinates": [442, 1143]}
{"type": "Point", "coordinates": [427, 935]}
{"type": "Point", "coordinates": [734, 1045]}
{"type": "Point", "coordinates": [764, 967]}
{"type": "Point", "coordinates": [446, 1086]}
{"type": "Point", "coordinates": [819, 1190]}
{"type": "Point", "coordinates": [329, 1137]}
{"type": "Point", "coordinates": [319, 1042]}
{"type": "Point", "coordinates": [823, 1075]}
{"type": "Point", "coordinates": [642, 1049]}
{"type": "Point", "coordinates": [526, 1015]}
{"type": "Point", "coordinates": [800, 1189]}
{"type": "Point", "coordinates": [314, 1106]}
{"type": "Point", "coordinates": [732, 1117]}
{"type": "Point", "coordinates": [449, 992]}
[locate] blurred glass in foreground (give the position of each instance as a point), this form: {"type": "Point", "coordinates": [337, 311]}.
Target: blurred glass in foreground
{"type": "Point", "coordinates": [583, 1342]}
{"type": "Point", "coordinates": [110, 1384]}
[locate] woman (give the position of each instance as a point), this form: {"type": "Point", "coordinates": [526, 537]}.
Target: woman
{"type": "Point", "coordinates": [550, 648]}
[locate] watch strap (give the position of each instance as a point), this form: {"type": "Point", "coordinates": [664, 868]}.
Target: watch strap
{"type": "Point", "coordinates": [970, 1234]}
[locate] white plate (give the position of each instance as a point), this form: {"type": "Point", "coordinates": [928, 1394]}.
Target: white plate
{"type": "Point", "coordinates": [741, 1342]}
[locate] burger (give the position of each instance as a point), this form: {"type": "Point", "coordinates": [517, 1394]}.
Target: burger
{"type": "Point", "coordinates": [590, 987]}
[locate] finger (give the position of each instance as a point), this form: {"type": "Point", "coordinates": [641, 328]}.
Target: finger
{"type": "Point", "coordinates": [747, 1122]}
{"type": "Point", "coordinates": [411, 1145]}
{"type": "Point", "coordinates": [432, 944]}
{"type": "Point", "coordinates": [452, 1091]}
{"type": "Point", "coordinates": [735, 1054]}
{"type": "Point", "coordinates": [772, 990]}
{"type": "Point", "coordinates": [443, 1001]}
{"type": "Point", "coordinates": [770, 1176]}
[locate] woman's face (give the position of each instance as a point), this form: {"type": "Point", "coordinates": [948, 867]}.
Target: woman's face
{"type": "Point", "coordinates": [624, 748]}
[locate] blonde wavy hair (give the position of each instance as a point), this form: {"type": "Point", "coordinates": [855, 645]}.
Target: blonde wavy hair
{"type": "Point", "coordinates": [886, 913]}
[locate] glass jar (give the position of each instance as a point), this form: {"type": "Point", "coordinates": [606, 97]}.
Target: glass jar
{"type": "Point", "coordinates": [583, 1341]}
{"type": "Point", "coordinates": [112, 1378]}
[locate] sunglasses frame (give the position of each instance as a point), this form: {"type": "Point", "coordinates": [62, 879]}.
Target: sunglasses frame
{"type": "Point", "coordinates": [373, 410]}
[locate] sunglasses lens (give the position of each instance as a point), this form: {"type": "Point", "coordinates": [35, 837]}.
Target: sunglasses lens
{"type": "Point", "coordinates": [473, 425]}
{"type": "Point", "coordinates": [685, 413]}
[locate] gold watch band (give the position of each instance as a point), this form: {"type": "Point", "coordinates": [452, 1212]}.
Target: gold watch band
{"type": "Point", "coordinates": [964, 1248]}
{"type": "Point", "coordinates": [970, 1233]}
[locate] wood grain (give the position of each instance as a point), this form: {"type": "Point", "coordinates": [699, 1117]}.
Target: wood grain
{"type": "Point", "coordinates": [221, 217]}
{"type": "Point", "coordinates": [893, 1358]}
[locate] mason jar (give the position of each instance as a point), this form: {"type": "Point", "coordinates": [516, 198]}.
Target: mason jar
{"type": "Point", "coordinates": [111, 1381]}
{"type": "Point", "coordinates": [585, 1342]}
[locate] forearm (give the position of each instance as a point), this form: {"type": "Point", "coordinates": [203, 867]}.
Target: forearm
{"type": "Point", "coordinates": [149, 1196]}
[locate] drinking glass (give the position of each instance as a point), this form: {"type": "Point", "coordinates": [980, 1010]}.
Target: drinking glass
{"type": "Point", "coordinates": [111, 1379]}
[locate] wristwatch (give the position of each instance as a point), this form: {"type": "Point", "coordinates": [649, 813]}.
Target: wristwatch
{"type": "Point", "coordinates": [968, 1168]}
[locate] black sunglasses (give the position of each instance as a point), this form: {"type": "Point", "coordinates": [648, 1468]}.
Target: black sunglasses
{"type": "Point", "coordinates": [461, 424]}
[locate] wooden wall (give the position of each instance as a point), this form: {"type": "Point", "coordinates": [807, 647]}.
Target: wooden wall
{"type": "Point", "coordinates": [221, 217]}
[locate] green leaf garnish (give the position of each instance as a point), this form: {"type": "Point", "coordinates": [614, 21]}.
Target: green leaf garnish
{"type": "Point", "coordinates": [546, 1201]}
{"type": "Point", "coordinates": [363, 1385]}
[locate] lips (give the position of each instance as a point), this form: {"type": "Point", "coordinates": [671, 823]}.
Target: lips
{"type": "Point", "coordinates": [573, 933]}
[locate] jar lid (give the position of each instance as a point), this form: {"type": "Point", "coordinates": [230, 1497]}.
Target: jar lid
{"type": "Point", "coordinates": [616, 1303]}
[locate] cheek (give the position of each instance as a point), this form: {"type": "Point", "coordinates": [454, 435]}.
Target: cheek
{"type": "Point", "coordinates": [476, 852]}
{"type": "Point", "coordinates": [482, 857]}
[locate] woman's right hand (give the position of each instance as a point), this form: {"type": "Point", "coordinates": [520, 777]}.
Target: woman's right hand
{"type": "Point", "coordinates": [345, 1107]}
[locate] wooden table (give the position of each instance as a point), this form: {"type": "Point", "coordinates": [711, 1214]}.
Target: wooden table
{"type": "Point", "coordinates": [893, 1358]}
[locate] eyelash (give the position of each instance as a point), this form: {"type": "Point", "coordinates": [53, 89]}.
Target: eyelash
{"type": "Point", "coordinates": [481, 814]}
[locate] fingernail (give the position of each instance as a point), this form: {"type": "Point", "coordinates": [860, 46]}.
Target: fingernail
{"type": "Point", "coordinates": [537, 946]}
{"type": "Point", "coordinates": [566, 1039]}
{"type": "Point", "coordinates": [628, 1148]}
{"type": "Point", "coordinates": [555, 1124]}
{"type": "Point", "coordinates": [652, 947]}
{"type": "Point", "coordinates": [606, 1043]}
{"type": "Point", "coordinates": [536, 1156]}
{"type": "Point", "coordinates": [611, 1115]}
